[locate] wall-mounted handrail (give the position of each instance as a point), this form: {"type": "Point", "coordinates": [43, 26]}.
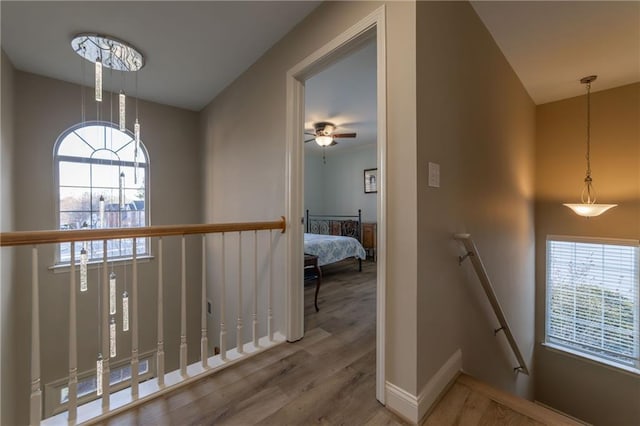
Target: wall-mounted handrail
{"type": "Point", "coordinates": [472, 253]}
{"type": "Point", "coordinates": [21, 238]}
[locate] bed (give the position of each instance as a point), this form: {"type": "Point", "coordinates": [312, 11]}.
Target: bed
{"type": "Point", "coordinates": [333, 238]}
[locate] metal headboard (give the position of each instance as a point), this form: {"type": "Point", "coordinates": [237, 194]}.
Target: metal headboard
{"type": "Point", "coordinates": [344, 225]}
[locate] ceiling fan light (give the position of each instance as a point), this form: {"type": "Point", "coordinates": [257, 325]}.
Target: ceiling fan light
{"type": "Point", "coordinates": [590, 210]}
{"type": "Point", "coordinates": [324, 140]}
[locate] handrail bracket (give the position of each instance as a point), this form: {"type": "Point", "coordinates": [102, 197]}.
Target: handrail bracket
{"type": "Point", "coordinates": [472, 253]}
{"type": "Point", "coordinates": [464, 257]}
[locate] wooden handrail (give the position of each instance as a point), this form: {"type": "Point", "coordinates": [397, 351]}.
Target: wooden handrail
{"type": "Point", "coordinates": [472, 253]}
{"type": "Point", "coordinates": [22, 238]}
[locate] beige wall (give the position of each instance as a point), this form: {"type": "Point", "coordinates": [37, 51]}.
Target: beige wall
{"type": "Point", "coordinates": [476, 120]}
{"type": "Point", "coordinates": [337, 185]}
{"type": "Point", "coordinates": [7, 149]}
{"type": "Point", "coordinates": [44, 108]}
{"type": "Point", "coordinates": [597, 394]}
{"type": "Point", "coordinates": [245, 155]}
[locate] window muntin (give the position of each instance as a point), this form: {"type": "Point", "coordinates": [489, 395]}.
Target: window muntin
{"type": "Point", "coordinates": [89, 160]}
{"type": "Point", "coordinates": [56, 394]}
{"type": "Point", "coordinates": [593, 300]}
{"type": "Point", "coordinates": [117, 377]}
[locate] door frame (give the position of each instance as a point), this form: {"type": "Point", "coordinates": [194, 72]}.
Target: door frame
{"type": "Point", "coordinates": [373, 25]}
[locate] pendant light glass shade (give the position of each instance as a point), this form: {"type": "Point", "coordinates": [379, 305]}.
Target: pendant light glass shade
{"type": "Point", "coordinates": [101, 210]}
{"type": "Point", "coordinates": [590, 210]}
{"type": "Point", "coordinates": [121, 190]}
{"type": "Point", "coordinates": [125, 311]}
{"type": "Point", "coordinates": [112, 293]}
{"type": "Point", "coordinates": [84, 259]}
{"type": "Point", "coordinates": [112, 337]}
{"type": "Point", "coordinates": [98, 80]}
{"type": "Point", "coordinates": [99, 375]}
{"type": "Point", "coordinates": [588, 207]}
{"type": "Point", "coordinates": [136, 134]}
{"type": "Point", "coordinates": [122, 110]}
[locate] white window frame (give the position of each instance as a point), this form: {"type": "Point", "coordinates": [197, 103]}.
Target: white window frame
{"type": "Point", "coordinates": [53, 390]}
{"type": "Point", "coordinates": [633, 365]}
{"type": "Point", "coordinates": [145, 166]}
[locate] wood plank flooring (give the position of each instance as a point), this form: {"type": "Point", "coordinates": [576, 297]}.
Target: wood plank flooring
{"type": "Point", "coordinates": [326, 378]}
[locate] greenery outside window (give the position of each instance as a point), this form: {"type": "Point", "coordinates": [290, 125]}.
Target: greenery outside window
{"type": "Point", "coordinates": [593, 299]}
{"type": "Point", "coordinates": [95, 162]}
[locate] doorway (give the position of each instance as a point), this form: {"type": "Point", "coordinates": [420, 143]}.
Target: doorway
{"type": "Point", "coordinates": [370, 28]}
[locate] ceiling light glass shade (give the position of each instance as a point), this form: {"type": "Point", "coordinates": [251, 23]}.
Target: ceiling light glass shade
{"type": "Point", "coordinates": [324, 140]}
{"type": "Point", "coordinates": [590, 210]}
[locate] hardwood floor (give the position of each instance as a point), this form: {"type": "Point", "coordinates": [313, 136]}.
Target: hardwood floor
{"type": "Point", "coordinates": [328, 377]}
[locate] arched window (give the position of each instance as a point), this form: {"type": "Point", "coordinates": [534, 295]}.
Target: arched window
{"type": "Point", "coordinates": [96, 165]}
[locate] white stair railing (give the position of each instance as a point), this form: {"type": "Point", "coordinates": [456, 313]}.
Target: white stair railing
{"type": "Point", "coordinates": [115, 401]}
{"type": "Point", "coordinates": [472, 254]}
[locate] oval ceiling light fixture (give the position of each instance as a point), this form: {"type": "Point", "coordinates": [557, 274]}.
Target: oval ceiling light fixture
{"type": "Point", "coordinates": [588, 207]}
{"type": "Point", "coordinates": [113, 53]}
{"type": "Point", "coordinates": [109, 52]}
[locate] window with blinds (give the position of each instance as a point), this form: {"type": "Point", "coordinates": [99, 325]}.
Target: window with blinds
{"type": "Point", "coordinates": [593, 298]}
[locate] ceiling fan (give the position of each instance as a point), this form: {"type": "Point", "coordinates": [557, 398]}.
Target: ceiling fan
{"type": "Point", "coordinates": [324, 136]}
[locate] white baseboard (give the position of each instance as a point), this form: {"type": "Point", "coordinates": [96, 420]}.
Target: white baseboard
{"type": "Point", "coordinates": [401, 402]}
{"type": "Point", "coordinates": [438, 383]}
{"type": "Point", "coordinates": [412, 407]}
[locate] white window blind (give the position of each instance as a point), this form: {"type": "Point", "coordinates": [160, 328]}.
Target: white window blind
{"type": "Point", "coordinates": [593, 298]}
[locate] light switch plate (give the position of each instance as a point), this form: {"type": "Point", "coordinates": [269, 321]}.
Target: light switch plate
{"type": "Point", "coordinates": [434, 175]}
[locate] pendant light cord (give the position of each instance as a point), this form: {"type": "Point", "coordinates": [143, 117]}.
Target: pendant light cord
{"type": "Point", "coordinates": [99, 313]}
{"type": "Point", "coordinates": [588, 193]}
{"type": "Point", "coordinates": [589, 130]}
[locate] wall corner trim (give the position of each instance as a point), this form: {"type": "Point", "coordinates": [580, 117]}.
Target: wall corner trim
{"type": "Point", "coordinates": [412, 407]}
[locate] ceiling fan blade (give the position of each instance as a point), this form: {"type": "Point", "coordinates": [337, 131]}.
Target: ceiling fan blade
{"type": "Point", "coordinates": [344, 135]}
{"type": "Point", "coordinates": [309, 140]}
{"type": "Point", "coordinates": [310, 134]}
{"type": "Point", "coordinates": [333, 143]}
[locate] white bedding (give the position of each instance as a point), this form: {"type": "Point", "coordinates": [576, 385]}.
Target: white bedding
{"type": "Point", "coordinates": [332, 248]}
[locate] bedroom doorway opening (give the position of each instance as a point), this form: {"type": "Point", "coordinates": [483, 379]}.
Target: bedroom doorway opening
{"type": "Point", "coordinates": [340, 187]}
{"type": "Point", "coordinates": [336, 102]}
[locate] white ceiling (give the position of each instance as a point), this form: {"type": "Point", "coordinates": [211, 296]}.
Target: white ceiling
{"type": "Point", "coordinates": [345, 95]}
{"type": "Point", "coordinates": [552, 44]}
{"type": "Point", "coordinates": [195, 49]}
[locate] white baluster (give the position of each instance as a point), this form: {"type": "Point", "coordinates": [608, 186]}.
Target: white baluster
{"type": "Point", "coordinates": [36, 393]}
{"type": "Point", "coordinates": [239, 343]}
{"type": "Point", "coordinates": [160, 351]}
{"type": "Point", "coordinates": [106, 372]}
{"type": "Point", "coordinates": [255, 289]}
{"type": "Point", "coordinates": [270, 290]}
{"type": "Point", "coordinates": [134, 322]}
{"type": "Point", "coordinates": [223, 329]}
{"type": "Point", "coordinates": [183, 313]}
{"type": "Point", "coordinates": [73, 354]}
{"type": "Point", "coordinates": [204, 352]}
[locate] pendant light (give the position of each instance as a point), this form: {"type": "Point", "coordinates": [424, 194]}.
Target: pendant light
{"type": "Point", "coordinates": [98, 79]}
{"type": "Point", "coordinates": [109, 52]}
{"type": "Point", "coordinates": [588, 207]}
{"type": "Point", "coordinates": [122, 113]}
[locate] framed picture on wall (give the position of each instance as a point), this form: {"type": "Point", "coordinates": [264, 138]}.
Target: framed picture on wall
{"type": "Point", "coordinates": [370, 181]}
